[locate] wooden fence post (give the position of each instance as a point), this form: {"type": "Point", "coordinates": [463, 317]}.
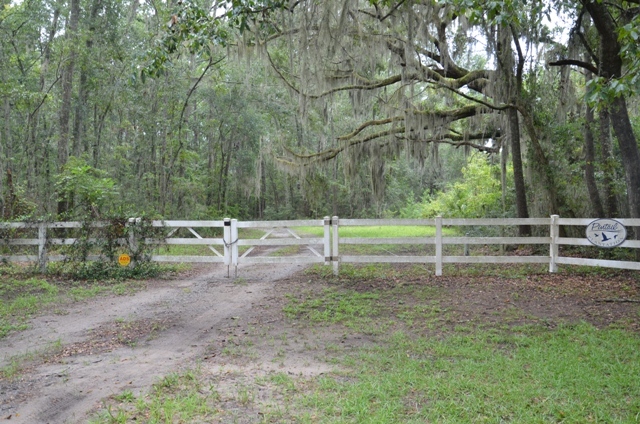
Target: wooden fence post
{"type": "Point", "coordinates": [554, 229]}
{"type": "Point", "coordinates": [226, 239]}
{"type": "Point", "coordinates": [438, 246]}
{"type": "Point", "coordinates": [234, 244]}
{"type": "Point", "coordinates": [327, 240]}
{"type": "Point", "coordinates": [335, 254]}
{"type": "Point", "coordinates": [42, 247]}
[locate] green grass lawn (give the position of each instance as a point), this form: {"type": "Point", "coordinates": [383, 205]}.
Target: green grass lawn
{"type": "Point", "coordinates": [364, 231]}
{"type": "Point", "coordinates": [384, 232]}
{"type": "Point", "coordinates": [575, 374]}
{"type": "Point", "coordinates": [380, 231]}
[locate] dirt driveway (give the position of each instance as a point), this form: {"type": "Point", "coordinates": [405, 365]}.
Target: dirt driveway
{"type": "Point", "coordinates": [104, 346]}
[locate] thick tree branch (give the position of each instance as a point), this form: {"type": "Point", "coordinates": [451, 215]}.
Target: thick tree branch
{"type": "Point", "coordinates": [186, 102]}
{"type": "Point", "coordinates": [585, 43]}
{"type": "Point", "coordinates": [454, 115]}
{"type": "Point", "coordinates": [460, 141]}
{"type": "Point", "coordinates": [457, 140]}
{"type": "Point", "coordinates": [520, 64]}
{"type": "Point", "coordinates": [275, 68]}
{"type": "Point", "coordinates": [609, 38]}
{"type": "Point", "coordinates": [567, 62]}
{"type": "Point", "coordinates": [476, 100]}
{"type": "Point", "coordinates": [367, 86]}
{"type": "Point", "coordinates": [452, 72]}
{"type": "Point", "coordinates": [378, 15]}
{"type": "Point", "coordinates": [454, 78]}
{"type": "Point", "coordinates": [370, 124]}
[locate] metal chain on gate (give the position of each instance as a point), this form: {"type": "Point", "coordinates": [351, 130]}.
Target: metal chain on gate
{"type": "Point", "coordinates": [227, 245]}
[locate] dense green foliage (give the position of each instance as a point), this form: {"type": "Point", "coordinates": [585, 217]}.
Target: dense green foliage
{"type": "Point", "coordinates": [478, 194]}
{"type": "Point", "coordinates": [248, 109]}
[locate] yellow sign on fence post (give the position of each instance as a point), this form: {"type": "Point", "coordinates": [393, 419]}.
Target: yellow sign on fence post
{"type": "Point", "coordinates": [124, 259]}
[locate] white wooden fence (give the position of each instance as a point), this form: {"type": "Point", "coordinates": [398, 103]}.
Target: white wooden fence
{"type": "Point", "coordinates": [225, 250]}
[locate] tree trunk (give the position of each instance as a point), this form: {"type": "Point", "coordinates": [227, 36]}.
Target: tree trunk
{"type": "Point", "coordinates": [518, 176]}
{"type": "Point", "coordinates": [3, 131]}
{"type": "Point", "coordinates": [589, 168]}
{"type": "Point", "coordinates": [163, 177]}
{"type": "Point", "coordinates": [221, 177]}
{"type": "Point", "coordinates": [275, 190]}
{"type": "Point", "coordinates": [99, 120]}
{"type": "Point", "coordinates": [210, 171]}
{"type": "Point", "coordinates": [65, 107]}
{"type": "Point", "coordinates": [224, 182]}
{"type": "Point", "coordinates": [263, 189]}
{"type": "Point", "coordinates": [513, 88]}
{"type": "Point", "coordinates": [541, 162]}
{"type": "Point", "coordinates": [629, 151]}
{"type": "Point", "coordinates": [34, 117]}
{"type": "Point", "coordinates": [504, 157]}
{"type": "Point", "coordinates": [611, 67]}
{"type": "Point", "coordinates": [609, 164]}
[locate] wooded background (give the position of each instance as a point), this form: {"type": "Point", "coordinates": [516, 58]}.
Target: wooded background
{"type": "Point", "coordinates": [279, 110]}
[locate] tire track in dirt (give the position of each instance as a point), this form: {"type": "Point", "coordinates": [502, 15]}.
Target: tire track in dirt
{"type": "Point", "coordinates": [196, 310]}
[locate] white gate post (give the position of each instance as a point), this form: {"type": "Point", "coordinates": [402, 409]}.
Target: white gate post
{"type": "Point", "coordinates": [226, 240]}
{"type": "Point", "coordinates": [335, 254]}
{"type": "Point", "coordinates": [554, 231]}
{"type": "Point", "coordinates": [234, 244]}
{"type": "Point", "coordinates": [327, 240]}
{"type": "Point", "coordinates": [438, 246]}
{"type": "Point", "coordinates": [42, 247]}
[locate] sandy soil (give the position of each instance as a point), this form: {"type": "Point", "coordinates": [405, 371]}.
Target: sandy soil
{"type": "Point", "coordinates": [91, 350]}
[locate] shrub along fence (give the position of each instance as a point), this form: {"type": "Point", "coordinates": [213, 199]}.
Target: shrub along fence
{"type": "Point", "coordinates": [225, 248]}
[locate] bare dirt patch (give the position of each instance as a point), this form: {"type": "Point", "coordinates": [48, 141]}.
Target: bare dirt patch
{"type": "Point", "coordinates": [77, 357]}
{"type": "Point", "coordinates": [609, 297]}
{"type": "Point", "coordinates": [234, 331]}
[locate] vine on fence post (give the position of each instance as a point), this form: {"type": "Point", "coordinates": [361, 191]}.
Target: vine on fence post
{"type": "Point", "coordinates": [98, 244]}
{"type": "Point", "coordinates": [6, 234]}
{"type": "Point", "coordinates": [16, 242]}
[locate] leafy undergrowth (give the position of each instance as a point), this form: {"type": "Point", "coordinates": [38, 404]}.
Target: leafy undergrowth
{"type": "Point", "coordinates": [484, 344]}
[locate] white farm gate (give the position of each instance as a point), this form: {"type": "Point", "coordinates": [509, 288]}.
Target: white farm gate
{"type": "Point", "coordinates": [232, 250]}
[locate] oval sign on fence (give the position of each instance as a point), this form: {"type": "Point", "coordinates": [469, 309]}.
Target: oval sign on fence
{"type": "Point", "coordinates": [124, 259]}
{"type": "Point", "coordinates": [606, 233]}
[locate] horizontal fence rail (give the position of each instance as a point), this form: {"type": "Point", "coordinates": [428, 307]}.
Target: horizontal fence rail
{"type": "Point", "coordinates": [327, 248]}
{"type": "Point", "coordinates": [197, 240]}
